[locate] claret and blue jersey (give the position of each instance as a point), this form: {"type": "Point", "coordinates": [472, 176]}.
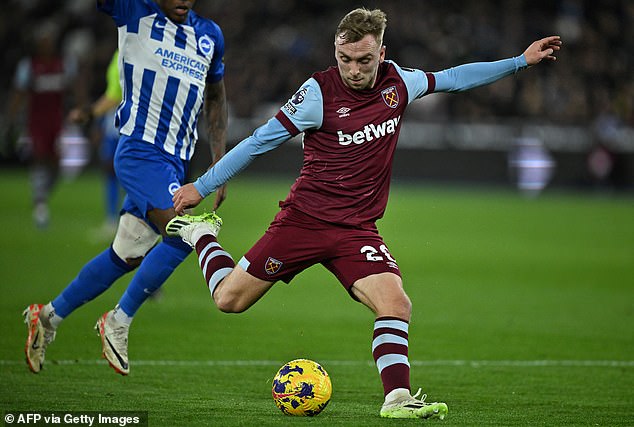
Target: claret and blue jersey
{"type": "Point", "coordinates": [349, 142]}
{"type": "Point", "coordinates": [164, 68]}
{"type": "Point", "coordinates": [349, 136]}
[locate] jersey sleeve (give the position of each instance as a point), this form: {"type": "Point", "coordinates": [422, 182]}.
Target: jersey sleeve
{"type": "Point", "coordinates": [468, 76]}
{"type": "Point", "coordinates": [122, 11]}
{"type": "Point", "coordinates": [265, 138]}
{"type": "Point", "coordinates": [113, 85]}
{"type": "Point", "coordinates": [304, 110]}
{"type": "Point", "coordinates": [217, 67]}
{"type": "Point", "coordinates": [416, 81]}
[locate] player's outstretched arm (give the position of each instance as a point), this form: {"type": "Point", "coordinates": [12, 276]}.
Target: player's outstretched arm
{"type": "Point", "coordinates": [264, 139]}
{"type": "Point", "coordinates": [542, 49]}
{"type": "Point", "coordinates": [186, 197]}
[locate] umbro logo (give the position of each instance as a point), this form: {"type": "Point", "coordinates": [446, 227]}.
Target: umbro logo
{"type": "Point", "coordinates": [343, 112]}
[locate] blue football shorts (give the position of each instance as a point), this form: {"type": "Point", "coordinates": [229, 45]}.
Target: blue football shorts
{"type": "Point", "coordinates": [149, 175]}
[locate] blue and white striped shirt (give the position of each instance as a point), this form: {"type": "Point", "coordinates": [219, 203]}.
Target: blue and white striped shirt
{"type": "Point", "coordinates": [163, 68]}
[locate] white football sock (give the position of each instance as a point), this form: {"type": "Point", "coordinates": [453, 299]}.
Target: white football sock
{"type": "Point", "coordinates": [48, 311]}
{"type": "Point", "coordinates": [121, 317]}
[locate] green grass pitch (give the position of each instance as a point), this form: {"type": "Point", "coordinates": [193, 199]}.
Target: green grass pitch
{"type": "Point", "coordinates": [523, 314]}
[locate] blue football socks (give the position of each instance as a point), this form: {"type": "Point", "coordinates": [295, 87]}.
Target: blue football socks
{"type": "Point", "coordinates": [93, 279]}
{"type": "Point", "coordinates": [153, 271]}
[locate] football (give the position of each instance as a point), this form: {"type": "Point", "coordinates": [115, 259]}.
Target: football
{"type": "Point", "coordinates": [302, 387]}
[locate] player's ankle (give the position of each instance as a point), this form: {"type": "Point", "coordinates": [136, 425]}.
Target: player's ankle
{"type": "Point", "coordinates": [396, 394]}
{"type": "Point", "coordinates": [49, 318]}
{"type": "Point", "coordinates": [201, 230]}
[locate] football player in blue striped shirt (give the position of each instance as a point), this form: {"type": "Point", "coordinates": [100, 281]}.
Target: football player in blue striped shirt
{"type": "Point", "coordinates": [170, 64]}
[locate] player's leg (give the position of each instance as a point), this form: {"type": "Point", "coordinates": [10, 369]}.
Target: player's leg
{"type": "Point", "coordinates": [154, 268]}
{"type": "Point", "coordinates": [286, 248]}
{"type": "Point", "coordinates": [44, 171]}
{"type": "Point", "coordinates": [239, 291]}
{"type": "Point", "coordinates": [40, 174]}
{"type": "Point", "coordinates": [231, 287]}
{"type": "Point", "coordinates": [364, 265]}
{"type": "Point", "coordinates": [383, 293]}
{"type": "Point", "coordinates": [134, 238]}
{"type": "Point", "coordinates": [149, 180]}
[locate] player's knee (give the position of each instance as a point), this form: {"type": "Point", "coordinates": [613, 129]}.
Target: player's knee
{"type": "Point", "coordinates": [406, 307]}
{"type": "Point", "coordinates": [398, 305]}
{"type": "Point", "coordinates": [133, 262]}
{"type": "Point", "coordinates": [228, 301]}
{"type": "Point", "coordinates": [134, 239]}
{"type": "Point", "coordinates": [229, 304]}
{"type": "Point", "coordinates": [230, 307]}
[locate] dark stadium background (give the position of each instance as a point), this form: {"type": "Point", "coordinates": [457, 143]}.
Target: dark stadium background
{"type": "Point", "coordinates": [584, 99]}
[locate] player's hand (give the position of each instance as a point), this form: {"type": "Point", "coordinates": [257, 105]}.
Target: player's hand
{"type": "Point", "coordinates": [543, 49]}
{"type": "Point", "coordinates": [79, 115]}
{"type": "Point", "coordinates": [186, 197]}
{"type": "Point", "coordinates": [221, 195]}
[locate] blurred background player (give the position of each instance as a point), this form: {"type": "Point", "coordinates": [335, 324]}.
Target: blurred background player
{"type": "Point", "coordinates": [162, 101]}
{"type": "Point", "coordinates": [41, 84]}
{"type": "Point", "coordinates": [103, 109]}
{"type": "Point", "coordinates": [350, 116]}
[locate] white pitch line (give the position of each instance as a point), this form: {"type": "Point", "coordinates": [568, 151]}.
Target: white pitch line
{"type": "Point", "coordinates": [446, 363]}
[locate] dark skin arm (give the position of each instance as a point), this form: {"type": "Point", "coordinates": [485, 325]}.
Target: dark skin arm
{"type": "Point", "coordinates": [216, 113]}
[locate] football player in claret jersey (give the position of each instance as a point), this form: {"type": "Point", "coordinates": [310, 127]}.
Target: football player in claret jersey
{"type": "Point", "coordinates": [350, 116]}
{"type": "Point", "coordinates": [170, 63]}
{"type": "Point", "coordinates": [43, 81]}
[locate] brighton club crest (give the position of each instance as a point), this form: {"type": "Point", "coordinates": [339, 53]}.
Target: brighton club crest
{"type": "Point", "coordinates": [390, 96]}
{"type": "Point", "coordinates": [272, 266]}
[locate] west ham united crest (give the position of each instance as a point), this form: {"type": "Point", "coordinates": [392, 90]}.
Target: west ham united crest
{"type": "Point", "coordinates": [272, 266]}
{"type": "Point", "coordinates": [390, 96]}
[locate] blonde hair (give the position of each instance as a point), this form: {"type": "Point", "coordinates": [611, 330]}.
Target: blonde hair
{"type": "Point", "coordinates": [360, 22]}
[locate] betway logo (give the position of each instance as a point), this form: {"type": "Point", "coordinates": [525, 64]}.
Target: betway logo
{"type": "Point", "coordinates": [369, 132]}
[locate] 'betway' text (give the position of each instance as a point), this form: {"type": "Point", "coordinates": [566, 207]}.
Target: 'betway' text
{"type": "Point", "coordinates": [369, 132]}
